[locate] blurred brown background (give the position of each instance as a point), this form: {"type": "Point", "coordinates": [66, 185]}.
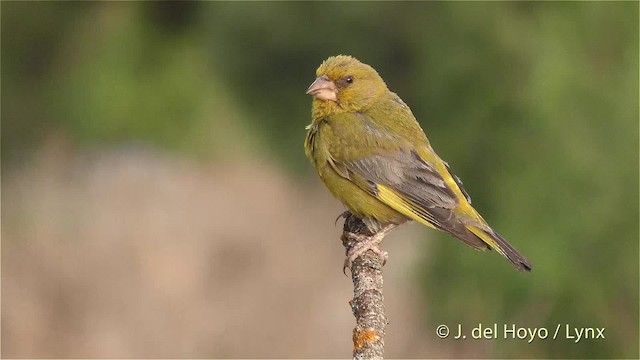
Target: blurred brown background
{"type": "Point", "coordinates": [141, 254]}
{"type": "Point", "coordinates": [156, 201]}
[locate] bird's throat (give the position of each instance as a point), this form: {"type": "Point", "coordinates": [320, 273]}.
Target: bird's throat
{"type": "Point", "coordinates": [322, 108]}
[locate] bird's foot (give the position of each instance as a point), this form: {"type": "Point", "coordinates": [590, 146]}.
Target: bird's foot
{"type": "Point", "coordinates": [364, 243]}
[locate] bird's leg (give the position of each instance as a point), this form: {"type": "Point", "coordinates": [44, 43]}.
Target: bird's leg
{"type": "Point", "coordinates": [364, 243]}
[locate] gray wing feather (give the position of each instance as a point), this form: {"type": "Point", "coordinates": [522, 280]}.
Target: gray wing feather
{"type": "Point", "coordinates": [408, 174]}
{"type": "Point", "coordinates": [420, 184]}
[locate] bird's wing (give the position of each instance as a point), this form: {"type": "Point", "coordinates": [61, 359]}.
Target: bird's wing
{"type": "Point", "coordinates": [392, 169]}
{"type": "Point", "coordinates": [406, 183]}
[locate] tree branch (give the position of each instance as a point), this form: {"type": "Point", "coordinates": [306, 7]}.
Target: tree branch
{"type": "Point", "coordinates": [368, 300]}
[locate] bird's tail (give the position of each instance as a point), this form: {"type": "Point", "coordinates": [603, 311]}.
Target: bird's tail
{"type": "Point", "coordinates": [497, 242]}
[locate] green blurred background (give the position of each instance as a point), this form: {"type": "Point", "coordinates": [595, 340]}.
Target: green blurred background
{"type": "Point", "coordinates": [157, 202]}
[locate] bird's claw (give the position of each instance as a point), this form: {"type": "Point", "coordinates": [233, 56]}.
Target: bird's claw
{"type": "Point", "coordinates": [343, 215]}
{"type": "Point", "coordinates": [363, 243]}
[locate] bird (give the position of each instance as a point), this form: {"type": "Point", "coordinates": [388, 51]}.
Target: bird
{"type": "Point", "coordinates": [371, 153]}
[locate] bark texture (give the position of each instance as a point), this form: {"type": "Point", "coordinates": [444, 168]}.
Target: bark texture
{"type": "Point", "coordinates": [368, 299]}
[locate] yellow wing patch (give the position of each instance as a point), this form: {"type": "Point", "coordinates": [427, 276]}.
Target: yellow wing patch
{"type": "Point", "coordinates": [404, 206]}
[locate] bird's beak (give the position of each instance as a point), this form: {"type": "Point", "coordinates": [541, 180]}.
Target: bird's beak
{"type": "Point", "coordinates": [323, 89]}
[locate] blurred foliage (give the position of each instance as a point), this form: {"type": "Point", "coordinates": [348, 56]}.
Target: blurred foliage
{"type": "Point", "coordinates": [535, 106]}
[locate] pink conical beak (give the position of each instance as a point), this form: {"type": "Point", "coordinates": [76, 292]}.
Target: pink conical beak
{"type": "Point", "coordinates": [323, 89]}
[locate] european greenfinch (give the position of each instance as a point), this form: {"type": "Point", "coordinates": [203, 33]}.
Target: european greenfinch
{"type": "Point", "coordinates": [374, 157]}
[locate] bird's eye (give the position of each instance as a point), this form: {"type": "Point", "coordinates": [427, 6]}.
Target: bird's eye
{"type": "Point", "coordinates": [350, 79]}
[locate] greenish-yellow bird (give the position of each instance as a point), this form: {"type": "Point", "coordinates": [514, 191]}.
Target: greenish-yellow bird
{"type": "Point", "coordinates": [374, 157]}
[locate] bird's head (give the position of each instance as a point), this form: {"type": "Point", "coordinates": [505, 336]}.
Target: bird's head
{"type": "Point", "coordinates": [347, 82]}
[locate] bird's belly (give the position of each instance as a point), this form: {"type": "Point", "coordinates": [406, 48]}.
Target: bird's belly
{"type": "Point", "coordinates": [358, 201]}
